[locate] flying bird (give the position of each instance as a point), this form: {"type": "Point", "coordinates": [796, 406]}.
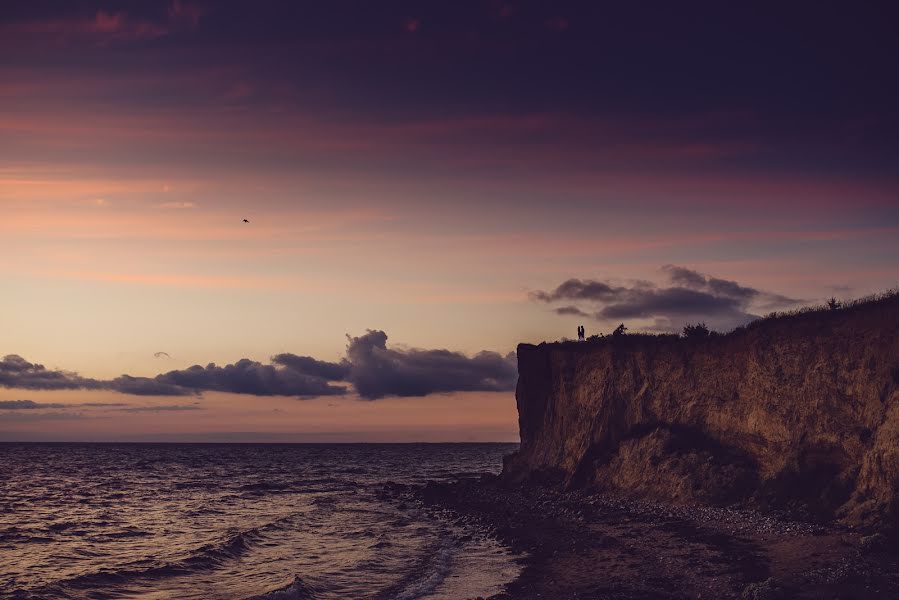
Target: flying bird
{"type": "Point", "coordinates": [245, 221]}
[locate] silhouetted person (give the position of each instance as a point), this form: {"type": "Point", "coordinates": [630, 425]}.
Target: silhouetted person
{"type": "Point", "coordinates": [580, 333]}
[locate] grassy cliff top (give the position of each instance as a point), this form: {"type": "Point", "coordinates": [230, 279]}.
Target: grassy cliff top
{"type": "Point", "coordinates": [801, 320]}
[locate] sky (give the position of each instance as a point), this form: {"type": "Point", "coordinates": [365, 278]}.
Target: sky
{"type": "Point", "coordinates": [427, 185]}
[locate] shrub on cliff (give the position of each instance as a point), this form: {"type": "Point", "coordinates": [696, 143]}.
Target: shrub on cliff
{"type": "Point", "coordinates": [832, 305]}
{"type": "Point", "coordinates": [698, 331]}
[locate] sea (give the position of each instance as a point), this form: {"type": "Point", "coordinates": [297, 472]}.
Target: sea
{"type": "Point", "coordinates": [240, 521]}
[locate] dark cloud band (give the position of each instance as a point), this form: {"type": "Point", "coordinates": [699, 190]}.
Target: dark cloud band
{"type": "Point", "coordinates": [690, 294]}
{"type": "Point", "coordinates": [250, 377]}
{"type": "Point", "coordinates": [370, 366]}
{"type": "Point", "coordinates": [28, 405]}
{"type": "Point", "coordinates": [376, 370]}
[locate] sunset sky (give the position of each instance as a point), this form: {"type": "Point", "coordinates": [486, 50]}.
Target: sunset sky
{"type": "Point", "coordinates": [427, 184]}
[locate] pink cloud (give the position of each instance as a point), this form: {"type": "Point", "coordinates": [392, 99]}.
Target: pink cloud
{"type": "Point", "coordinates": [557, 24]}
{"type": "Point", "coordinates": [239, 91]}
{"type": "Point", "coordinates": [185, 12]}
{"type": "Point", "coordinates": [178, 205]}
{"type": "Point", "coordinates": [412, 25]}
{"type": "Point", "coordinates": [105, 27]}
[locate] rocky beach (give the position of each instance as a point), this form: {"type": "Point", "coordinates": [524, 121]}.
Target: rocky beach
{"type": "Point", "coordinates": [759, 464]}
{"type": "Point", "coordinates": [585, 545]}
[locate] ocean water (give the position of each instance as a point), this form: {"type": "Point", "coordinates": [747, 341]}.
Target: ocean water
{"type": "Point", "coordinates": [239, 521]}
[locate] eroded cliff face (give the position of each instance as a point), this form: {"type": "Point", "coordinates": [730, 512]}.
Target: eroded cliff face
{"type": "Point", "coordinates": [799, 412]}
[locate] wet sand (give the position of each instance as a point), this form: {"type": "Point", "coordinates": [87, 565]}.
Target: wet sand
{"type": "Point", "coordinates": [582, 545]}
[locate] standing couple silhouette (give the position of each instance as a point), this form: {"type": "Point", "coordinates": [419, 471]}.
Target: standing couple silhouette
{"type": "Point", "coordinates": [580, 333]}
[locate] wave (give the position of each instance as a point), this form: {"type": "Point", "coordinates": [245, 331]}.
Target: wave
{"type": "Point", "coordinates": [195, 516]}
{"type": "Point", "coordinates": [206, 557]}
{"type": "Point", "coordinates": [304, 486]}
{"type": "Point", "coordinates": [297, 590]}
{"type": "Point", "coordinates": [204, 510]}
{"type": "Point", "coordinates": [427, 576]}
{"type": "Point", "coordinates": [196, 485]}
{"type": "Point", "coordinates": [22, 538]}
{"type": "Point", "coordinates": [127, 532]}
{"type": "Point", "coordinates": [265, 486]}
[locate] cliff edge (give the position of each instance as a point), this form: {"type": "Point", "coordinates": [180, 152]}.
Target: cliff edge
{"type": "Point", "coordinates": [797, 412]}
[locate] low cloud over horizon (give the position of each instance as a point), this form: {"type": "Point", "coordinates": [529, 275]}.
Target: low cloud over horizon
{"type": "Point", "coordinates": [690, 296]}
{"type": "Point", "coordinates": [374, 370]}
{"type": "Point", "coordinates": [377, 371]}
{"type": "Point", "coordinates": [29, 405]}
{"type": "Point", "coordinates": [29, 410]}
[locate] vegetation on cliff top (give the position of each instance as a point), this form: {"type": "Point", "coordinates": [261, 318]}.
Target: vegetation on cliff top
{"type": "Point", "coordinates": [698, 331]}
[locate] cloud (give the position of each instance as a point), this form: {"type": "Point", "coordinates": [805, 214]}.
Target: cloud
{"type": "Point", "coordinates": [32, 405]}
{"type": "Point", "coordinates": [570, 310]}
{"type": "Point", "coordinates": [28, 405]}
{"type": "Point", "coordinates": [370, 366]}
{"type": "Point", "coordinates": [185, 12]}
{"type": "Point", "coordinates": [145, 386]}
{"type": "Point", "coordinates": [669, 302]}
{"type": "Point", "coordinates": [373, 369]}
{"type": "Point", "coordinates": [39, 416]}
{"type": "Point", "coordinates": [576, 289]}
{"type": "Point", "coordinates": [177, 205]}
{"type": "Point", "coordinates": [248, 377]}
{"type": "Point", "coordinates": [694, 280]}
{"type": "Point", "coordinates": [163, 407]}
{"type": "Point", "coordinates": [690, 295]}
{"type": "Point", "coordinates": [97, 202]}
{"type": "Point", "coordinates": [310, 366]}
{"type": "Point", "coordinates": [17, 405]}
{"type": "Point", "coordinates": [103, 27]}
{"type": "Point", "coordinates": [16, 372]}
{"type": "Point", "coordinates": [378, 371]}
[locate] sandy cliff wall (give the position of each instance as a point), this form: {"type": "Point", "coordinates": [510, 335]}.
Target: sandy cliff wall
{"type": "Point", "coordinates": [799, 412]}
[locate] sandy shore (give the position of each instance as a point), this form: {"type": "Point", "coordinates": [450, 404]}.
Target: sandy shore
{"type": "Point", "coordinates": [580, 545]}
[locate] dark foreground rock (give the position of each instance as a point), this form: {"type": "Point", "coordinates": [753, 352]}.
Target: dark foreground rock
{"type": "Point", "coordinates": [579, 545]}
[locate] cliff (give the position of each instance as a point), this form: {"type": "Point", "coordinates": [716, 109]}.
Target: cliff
{"type": "Point", "coordinates": [798, 412]}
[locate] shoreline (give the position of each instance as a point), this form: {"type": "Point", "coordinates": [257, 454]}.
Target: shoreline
{"type": "Point", "coordinates": [581, 545]}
